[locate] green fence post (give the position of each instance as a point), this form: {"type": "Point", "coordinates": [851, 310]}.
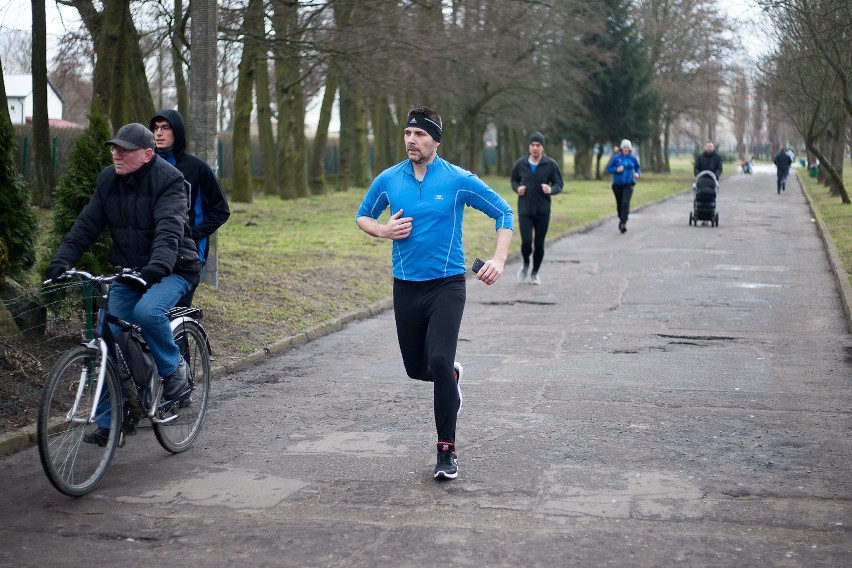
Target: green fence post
{"type": "Point", "coordinates": [88, 291]}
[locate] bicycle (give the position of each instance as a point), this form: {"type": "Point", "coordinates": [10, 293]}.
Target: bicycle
{"type": "Point", "coordinates": [115, 375]}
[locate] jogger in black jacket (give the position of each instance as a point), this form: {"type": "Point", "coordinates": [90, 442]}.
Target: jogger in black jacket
{"type": "Point", "coordinates": [535, 178]}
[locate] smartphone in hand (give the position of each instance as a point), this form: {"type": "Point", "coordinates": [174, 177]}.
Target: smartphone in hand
{"type": "Point", "coordinates": [477, 264]}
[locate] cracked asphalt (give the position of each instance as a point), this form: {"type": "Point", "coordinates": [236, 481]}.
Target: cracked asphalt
{"type": "Point", "coordinates": [675, 395]}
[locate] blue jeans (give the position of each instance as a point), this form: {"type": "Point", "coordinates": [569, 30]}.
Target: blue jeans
{"type": "Point", "coordinates": [782, 179]}
{"type": "Point", "coordinates": [148, 311]}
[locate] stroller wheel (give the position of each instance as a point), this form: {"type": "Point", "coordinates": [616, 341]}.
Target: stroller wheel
{"type": "Point", "coordinates": [716, 220]}
{"type": "Point", "coordinates": [691, 219]}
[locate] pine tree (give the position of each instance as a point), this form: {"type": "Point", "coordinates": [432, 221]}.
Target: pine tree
{"type": "Point", "coordinates": [18, 222]}
{"type": "Point", "coordinates": [88, 158]}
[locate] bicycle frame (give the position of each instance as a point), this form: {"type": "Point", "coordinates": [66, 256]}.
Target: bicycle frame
{"type": "Point", "coordinates": [103, 338]}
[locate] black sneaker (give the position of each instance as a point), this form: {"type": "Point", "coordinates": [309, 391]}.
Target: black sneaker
{"type": "Point", "coordinates": [458, 371]}
{"type": "Point", "coordinates": [448, 462]}
{"type": "Point", "coordinates": [176, 383]}
{"type": "Point", "coordinates": [99, 437]}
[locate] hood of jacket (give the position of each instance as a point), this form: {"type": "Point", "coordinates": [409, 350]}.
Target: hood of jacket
{"type": "Point", "coordinates": [174, 118]}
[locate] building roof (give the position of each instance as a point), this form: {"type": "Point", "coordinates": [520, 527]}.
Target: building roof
{"type": "Point", "coordinates": [20, 85]}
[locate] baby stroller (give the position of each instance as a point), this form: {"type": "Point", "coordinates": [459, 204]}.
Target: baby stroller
{"type": "Point", "coordinates": [705, 187]}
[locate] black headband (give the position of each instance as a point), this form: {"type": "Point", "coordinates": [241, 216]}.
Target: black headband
{"type": "Point", "coordinates": [420, 120]}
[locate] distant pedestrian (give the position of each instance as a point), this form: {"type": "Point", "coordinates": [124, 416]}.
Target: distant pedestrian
{"type": "Point", "coordinates": [708, 161]}
{"type": "Point", "coordinates": [535, 178]}
{"type": "Point", "coordinates": [429, 262]}
{"type": "Point", "coordinates": [783, 162]}
{"type": "Point", "coordinates": [625, 171]}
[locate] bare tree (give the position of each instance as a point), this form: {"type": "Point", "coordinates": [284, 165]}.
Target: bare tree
{"type": "Point", "coordinates": [737, 107]}
{"type": "Point", "coordinates": [688, 40]}
{"type": "Point", "coordinates": [241, 124]}
{"type": "Point", "coordinates": [45, 178]}
{"type": "Point", "coordinates": [119, 77]}
{"type": "Point", "coordinates": [808, 78]}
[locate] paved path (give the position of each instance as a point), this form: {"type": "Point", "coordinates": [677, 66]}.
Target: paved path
{"type": "Point", "coordinates": [674, 395]}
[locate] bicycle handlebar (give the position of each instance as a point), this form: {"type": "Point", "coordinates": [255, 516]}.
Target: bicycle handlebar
{"type": "Point", "coordinates": [132, 277]}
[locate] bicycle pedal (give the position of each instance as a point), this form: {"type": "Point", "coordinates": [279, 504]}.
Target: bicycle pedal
{"type": "Point", "coordinates": [166, 420]}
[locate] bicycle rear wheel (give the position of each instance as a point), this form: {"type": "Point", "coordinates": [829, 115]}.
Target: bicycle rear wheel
{"type": "Point", "coordinates": [178, 423]}
{"type": "Point", "coordinates": [72, 465]}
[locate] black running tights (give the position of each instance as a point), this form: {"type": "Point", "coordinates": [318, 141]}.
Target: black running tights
{"type": "Point", "coordinates": [530, 245]}
{"type": "Point", "coordinates": [428, 317]}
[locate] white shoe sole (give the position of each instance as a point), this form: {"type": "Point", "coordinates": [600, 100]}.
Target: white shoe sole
{"type": "Point", "coordinates": [460, 369]}
{"type": "Point", "coordinates": [445, 475]}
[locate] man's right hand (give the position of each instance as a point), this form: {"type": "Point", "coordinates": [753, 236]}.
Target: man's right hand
{"type": "Point", "coordinates": [398, 227]}
{"type": "Point", "coordinates": [55, 270]}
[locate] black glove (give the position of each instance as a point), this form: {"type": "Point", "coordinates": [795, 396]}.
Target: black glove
{"type": "Point", "coordinates": [153, 273]}
{"type": "Point", "coordinates": [55, 270]}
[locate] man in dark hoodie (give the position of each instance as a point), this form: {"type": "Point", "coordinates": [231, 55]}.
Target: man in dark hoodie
{"type": "Point", "coordinates": [208, 207]}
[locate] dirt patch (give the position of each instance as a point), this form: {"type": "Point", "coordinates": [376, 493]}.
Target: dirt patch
{"type": "Point", "coordinates": [24, 364]}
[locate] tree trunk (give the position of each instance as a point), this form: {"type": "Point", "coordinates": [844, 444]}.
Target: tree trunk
{"type": "Point", "coordinates": [346, 140]}
{"type": "Point", "coordinates": [379, 119]}
{"type": "Point", "coordinates": [241, 185]}
{"type": "Point", "coordinates": [583, 161]}
{"type": "Point", "coordinates": [119, 76]}
{"type": "Point", "coordinates": [361, 163]}
{"type": "Point", "coordinates": [45, 179]}
{"type": "Point", "coordinates": [178, 62]}
{"type": "Point", "coordinates": [264, 111]}
{"type": "Point", "coordinates": [316, 170]}
{"type": "Point", "coordinates": [291, 101]}
{"type": "Point", "coordinates": [203, 88]}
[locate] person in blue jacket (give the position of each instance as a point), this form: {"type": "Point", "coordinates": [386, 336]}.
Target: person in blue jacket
{"type": "Point", "coordinates": [427, 197]}
{"type": "Point", "coordinates": [625, 171]}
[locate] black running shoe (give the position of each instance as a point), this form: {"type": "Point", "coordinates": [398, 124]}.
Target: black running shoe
{"type": "Point", "coordinates": [99, 437]}
{"type": "Point", "coordinates": [448, 462]}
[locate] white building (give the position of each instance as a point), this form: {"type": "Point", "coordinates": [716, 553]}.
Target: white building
{"type": "Point", "coordinates": [19, 98]}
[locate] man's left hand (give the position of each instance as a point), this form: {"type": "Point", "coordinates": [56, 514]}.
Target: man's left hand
{"type": "Point", "coordinates": [490, 272]}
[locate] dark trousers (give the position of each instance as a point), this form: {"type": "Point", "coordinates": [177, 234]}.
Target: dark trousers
{"type": "Point", "coordinates": [782, 179]}
{"type": "Point", "coordinates": [428, 317]}
{"type": "Point", "coordinates": [533, 232]}
{"type": "Point", "coordinates": [622, 193]}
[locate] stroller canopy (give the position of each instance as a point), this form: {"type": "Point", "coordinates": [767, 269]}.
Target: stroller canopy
{"type": "Point", "coordinates": [706, 181]}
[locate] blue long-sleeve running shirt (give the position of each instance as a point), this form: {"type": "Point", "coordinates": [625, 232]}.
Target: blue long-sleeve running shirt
{"type": "Point", "coordinates": [434, 248]}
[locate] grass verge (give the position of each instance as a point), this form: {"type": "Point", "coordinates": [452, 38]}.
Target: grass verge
{"type": "Point", "coordinates": [836, 216]}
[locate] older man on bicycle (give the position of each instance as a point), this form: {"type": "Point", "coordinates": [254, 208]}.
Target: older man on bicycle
{"type": "Point", "coordinates": [141, 198]}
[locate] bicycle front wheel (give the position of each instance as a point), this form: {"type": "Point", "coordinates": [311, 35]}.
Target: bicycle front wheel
{"type": "Point", "coordinates": [179, 423]}
{"type": "Point", "coordinates": [72, 455]}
